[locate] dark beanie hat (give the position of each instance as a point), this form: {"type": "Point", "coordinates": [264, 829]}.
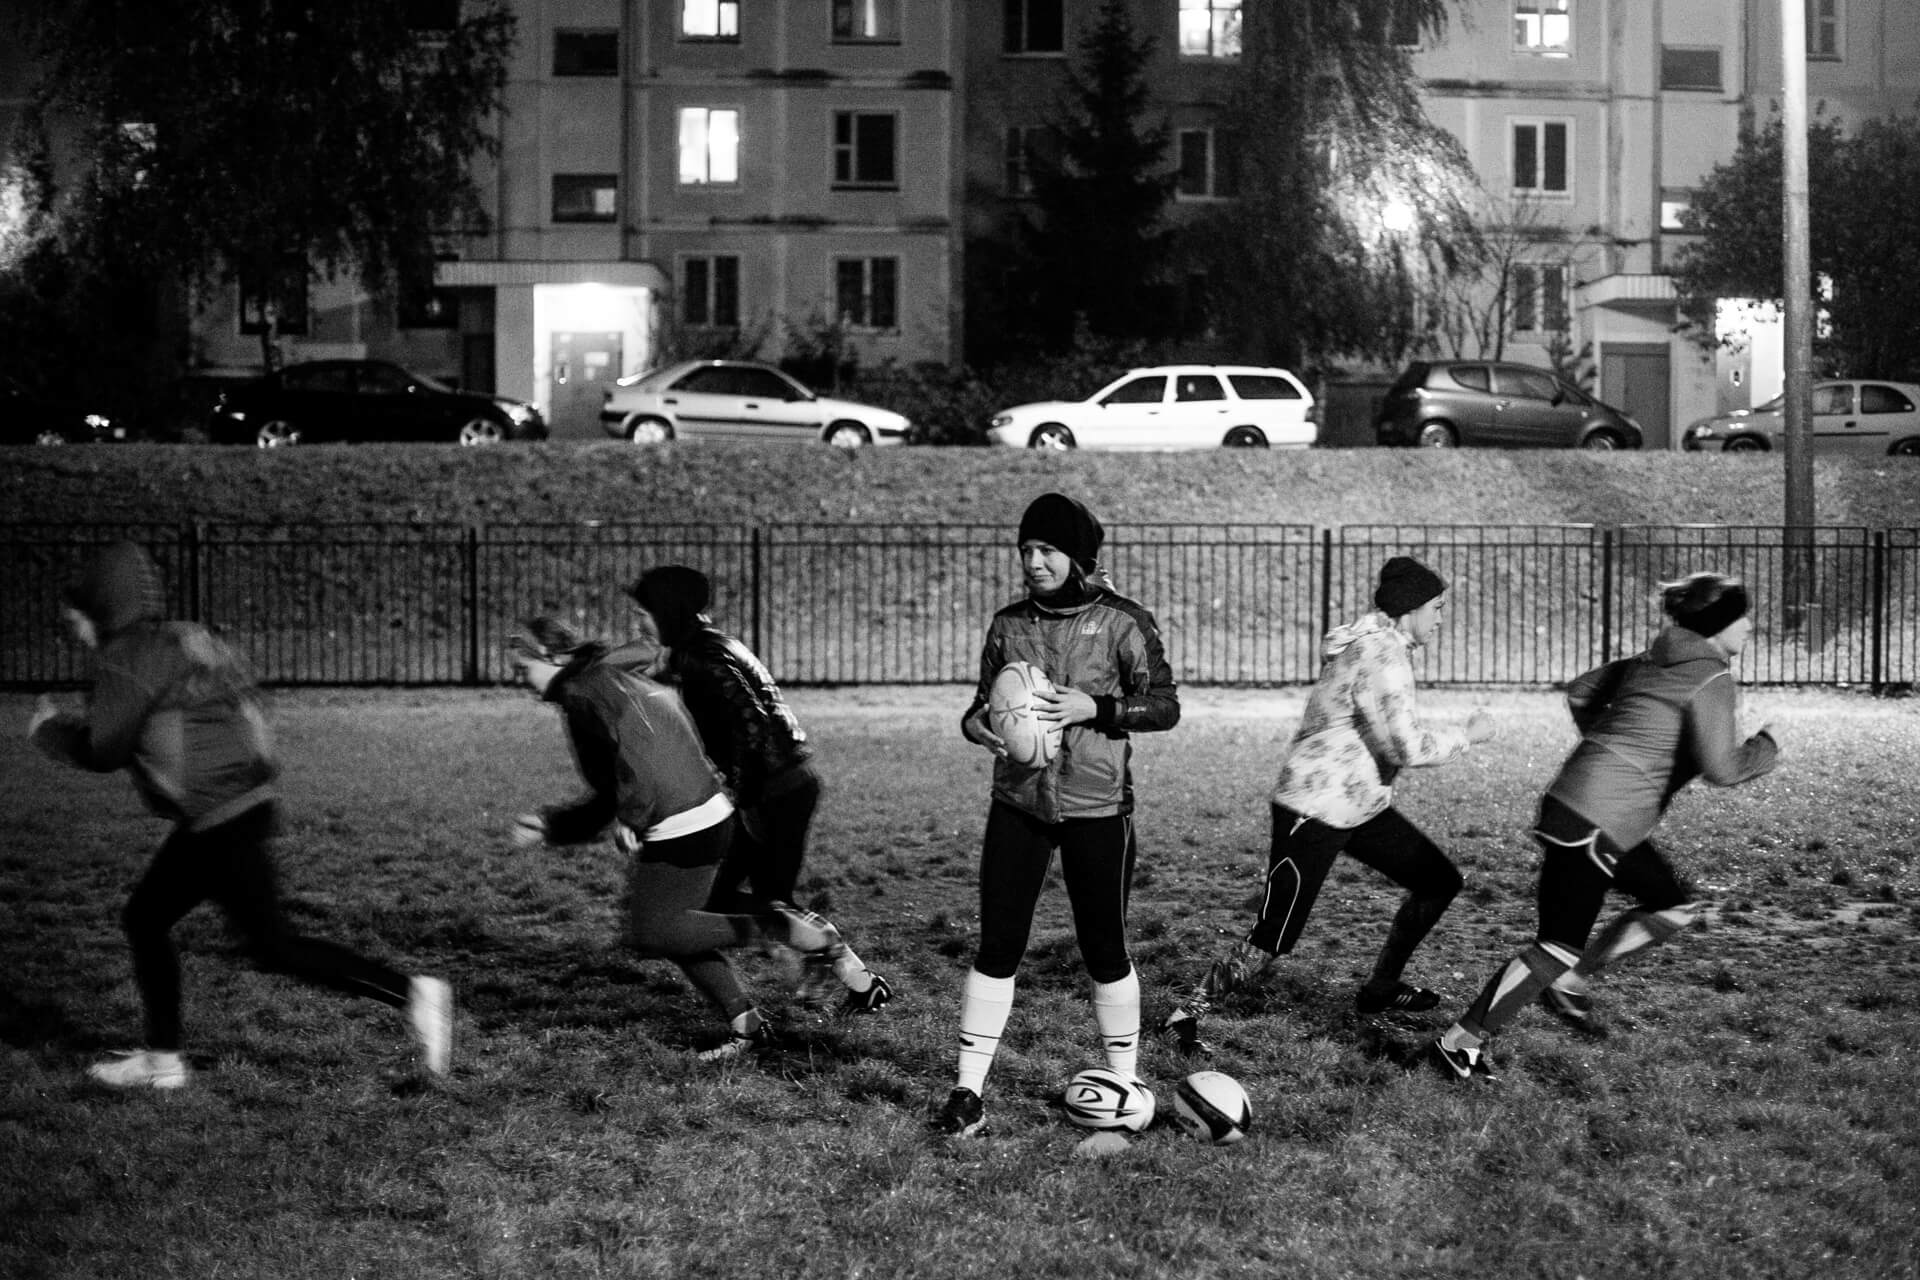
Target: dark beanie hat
{"type": "Point", "coordinates": [676, 596]}
{"type": "Point", "coordinates": [1405, 585]}
{"type": "Point", "coordinates": [1706, 603]}
{"type": "Point", "coordinates": [1059, 521]}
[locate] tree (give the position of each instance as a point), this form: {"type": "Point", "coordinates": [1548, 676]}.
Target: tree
{"type": "Point", "coordinates": [1864, 215]}
{"type": "Point", "coordinates": [196, 141]}
{"type": "Point", "coordinates": [1099, 248]}
{"type": "Point", "coordinates": [1472, 311]}
{"type": "Point", "coordinates": [1354, 207]}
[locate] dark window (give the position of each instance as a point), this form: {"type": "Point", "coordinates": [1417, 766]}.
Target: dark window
{"type": "Point", "coordinates": [1151, 389]}
{"type": "Point", "coordinates": [866, 21]}
{"type": "Point", "coordinates": [1823, 30]}
{"type": "Point", "coordinates": [334, 378]}
{"type": "Point", "coordinates": [867, 292]}
{"type": "Point", "coordinates": [585, 197]}
{"type": "Point", "coordinates": [1875, 398]}
{"type": "Point", "coordinates": [1262, 386]}
{"type": "Point", "coordinates": [863, 149]}
{"type": "Point", "coordinates": [431, 15]}
{"type": "Point", "coordinates": [1689, 68]}
{"type": "Point", "coordinates": [1473, 377]}
{"type": "Point", "coordinates": [710, 292]}
{"type": "Point", "coordinates": [1540, 157]}
{"type": "Point", "coordinates": [1528, 384]}
{"type": "Point", "coordinates": [1035, 26]}
{"type": "Point", "coordinates": [1197, 386]}
{"type": "Point", "coordinates": [586, 53]}
{"type": "Point", "coordinates": [429, 308]}
{"type": "Point", "coordinates": [382, 380]}
{"type": "Point", "coordinates": [285, 294]}
{"type": "Point", "coordinates": [1835, 398]}
{"type": "Point", "coordinates": [763, 384]}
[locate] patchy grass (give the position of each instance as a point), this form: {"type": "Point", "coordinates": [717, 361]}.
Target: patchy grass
{"type": "Point", "coordinates": [1749, 1116]}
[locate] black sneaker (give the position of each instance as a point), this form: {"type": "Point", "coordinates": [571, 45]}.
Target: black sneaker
{"type": "Point", "coordinates": [1575, 1008]}
{"type": "Point", "coordinates": [1464, 1064]}
{"type": "Point", "coordinates": [1401, 998]}
{"type": "Point", "coordinates": [963, 1116]}
{"type": "Point", "coordinates": [1182, 1031]}
{"type": "Point", "coordinates": [872, 1000]}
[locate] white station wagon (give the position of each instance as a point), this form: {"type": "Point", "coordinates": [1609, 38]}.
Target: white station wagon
{"type": "Point", "coordinates": [1185, 406]}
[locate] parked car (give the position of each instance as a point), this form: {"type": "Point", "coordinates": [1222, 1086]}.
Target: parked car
{"type": "Point", "coordinates": [739, 400]}
{"type": "Point", "coordinates": [27, 418]}
{"type": "Point", "coordinates": [364, 401]}
{"type": "Point", "coordinates": [1187, 406]}
{"type": "Point", "coordinates": [1858, 415]}
{"type": "Point", "coordinates": [1441, 404]}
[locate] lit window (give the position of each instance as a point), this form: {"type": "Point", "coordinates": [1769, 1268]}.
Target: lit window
{"type": "Point", "coordinates": [1035, 26]}
{"type": "Point", "coordinates": [1210, 28]}
{"type": "Point", "coordinates": [1207, 171]}
{"type": "Point", "coordinates": [1541, 297]}
{"type": "Point", "coordinates": [856, 21]}
{"type": "Point", "coordinates": [586, 53]}
{"type": "Point", "coordinates": [863, 149]}
{"type": "Point", "coordinates": [1674, 208]}
{"type": "Point", "coordinates": [710, 292]}
{"type": "Point", "coordinates": [710, 19]}
{"type": "Point", "coordinates": [1540, 158]}
{"type": "Point", "coordinates": [1824, 25]}
{"type": "Point", "coordinates": [866, 292]}
{"type": "Point", "coordinates": [1542, 26]}
{"type": "Point", "coordinates": [585, 197]}
{"type": "Point", "coordinates": [709, 146]}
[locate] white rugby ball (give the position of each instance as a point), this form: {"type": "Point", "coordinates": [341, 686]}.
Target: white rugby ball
{"type": "Point", "coordinates": [1102, 1098]}
{"type": "Point", "coordinates": [1213, 1106]}
{"type": "Point", "coordinates": [1010, 714]}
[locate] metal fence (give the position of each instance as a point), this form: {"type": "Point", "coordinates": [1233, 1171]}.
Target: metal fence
{"type": "Point", "coordinates": [1240, 604]}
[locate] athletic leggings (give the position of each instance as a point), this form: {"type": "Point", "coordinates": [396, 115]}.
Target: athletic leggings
{"type": "Point", "coordinates": [769, 848]}
{"type": "Point", "coordinates": [667, 893]}
{"type": "Point", "coordinates": [232, 864]}
{"type": "Point", "coordinates": [1096, 860]}
{"type": "Point", "coordinates": [1303, 851]}
{"type": "Point", "coordinates": [1580, 864]}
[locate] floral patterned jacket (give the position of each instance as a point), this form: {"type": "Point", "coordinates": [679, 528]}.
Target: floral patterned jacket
{"type": "Point", "coordinates": [1360, 728]}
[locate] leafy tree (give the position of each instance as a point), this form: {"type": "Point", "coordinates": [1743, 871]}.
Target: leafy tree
{"type": "Point", "coordinates": [193, 141]}
{"type": "Point", "coordinates": [1864, 240]}
{"type": "Point", "coordinates": [1354, 207]}
{"type": "Point", "coordinates": [1099, 248]}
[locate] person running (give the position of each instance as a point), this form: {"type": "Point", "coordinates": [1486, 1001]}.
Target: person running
{"type": "Point", "coordinates": [1648, 726]}
{"type": "Point", "coordinates": [173, 705]}
{"type": "Point", "coordinates": [1335, 795]}
{"type": "Point", "coordinates": [755, 741]}
{"type": "Point", "coordinates": [648, 781]}
{"type": "Point", "coordinates": [1103, 654]}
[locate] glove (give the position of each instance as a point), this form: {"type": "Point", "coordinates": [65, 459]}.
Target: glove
{"type": "Point", "coordinates": [528, 831]}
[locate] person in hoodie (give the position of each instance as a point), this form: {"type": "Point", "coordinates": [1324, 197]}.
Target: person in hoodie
{"type": "Point", "coordinates": [1335, 795]}
{"type": "Point", "coordinates": [1648, 726]}
{"type": "Point", "coordinates": [172, 704]}
{"type": "Point", "coordinates": [753, 738]}
{"type": "Point", "coordinates": [1103, 654]}
{"type": "Point", "coordinates": [649, 783]}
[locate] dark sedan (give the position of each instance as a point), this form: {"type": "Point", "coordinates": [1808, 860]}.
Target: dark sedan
{"type": "Point", "coordinates": [365, 401]}
{"type": "Point", "coordinates": [27, 418]}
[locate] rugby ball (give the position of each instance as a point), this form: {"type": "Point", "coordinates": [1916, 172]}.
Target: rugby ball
{"type": "Point", "coordinates": [1010, 714]}
{"type": "Point", "coordinates": [1213, 1106]}
{"type": "Point", "coordinates": [1102, 1098]}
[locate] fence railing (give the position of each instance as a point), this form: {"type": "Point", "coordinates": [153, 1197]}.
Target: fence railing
{"type": "Point", "coordinates": [1240, 604]}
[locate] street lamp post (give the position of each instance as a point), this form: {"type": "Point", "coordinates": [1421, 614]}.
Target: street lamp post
{"type": "Point", "coordinates": [1797, 404]}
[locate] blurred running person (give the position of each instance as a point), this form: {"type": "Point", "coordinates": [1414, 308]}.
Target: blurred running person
{"type": "Point", "coordinates": [174, 705]}
{"type": "Point", "coordinates": [754, 740]}
{"type": "Point", "coordinates": [1335, 795]}
{"type": "Point", "coordinates": [1649, 725]}
{"type": "Point", "coordinates": [648, 781]}
{"type": "Point", "coordinates": [1111, 678]}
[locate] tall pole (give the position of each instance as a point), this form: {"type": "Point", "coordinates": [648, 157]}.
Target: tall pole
{"type": "Point", "coordinates": [1798, 578]}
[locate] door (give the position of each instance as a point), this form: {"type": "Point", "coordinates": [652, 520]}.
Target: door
{"type": "Point", "coordinates": [1637, 379]}
{"type": "Point", "coordinates": [1197, 417]}
{"type": "Point", "coordinates": [1840, 421]}
{"type": "Point", "coordinates": [584, 368]}
{"type": "Point", "coordinates": [1531, 411]}
{"type": "Point", "coordinates": [1125, 416]}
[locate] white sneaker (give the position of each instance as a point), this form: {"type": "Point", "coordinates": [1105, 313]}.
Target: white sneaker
{"type": "Point", "coordinates": [430, 1014]}
{"type": "Point", "coordinates": [142, 1068]}
{"type": "Point", "coordinates": [809, 932]}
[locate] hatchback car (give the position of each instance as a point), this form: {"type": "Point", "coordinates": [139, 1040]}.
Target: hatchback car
{"type": "Point", "coordinates": [1858, 416]}
{"type": "Point", "coordinates": [1189, 406]}
{"type": "Point", "coordinates": [739, 400]}
{"type": "Point", "coordinates": [364, 401]}
{"type": "Point", "coordinates": [27, 418]}
{"type": "Point", "coordinates": [1441, 404]}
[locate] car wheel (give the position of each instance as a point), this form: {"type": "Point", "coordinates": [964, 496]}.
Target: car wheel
{"type": "Point", "coordinates": [482, 431]}
{"type": "Point", "coordinates": [48, 435]}
{"type": "Point", "coordinates": [276, 433]}
{"type": "Point", "coordinates": [1245, 438]}
{"type": "Point", "coordinates": [1436, 435]}
{"type": "Point", "coordinates": [1051, 436]}
{"type": "Point", "coordinates": [1744, 444]}
{"type": "Point", "coordinates": [1601, 441]}
{"type": "Point", "coordinates": [848, 435]}
{"type": "Point", "coordinates": [649, 431]}
{"type": "Point", "coordinates": [1909, 448]}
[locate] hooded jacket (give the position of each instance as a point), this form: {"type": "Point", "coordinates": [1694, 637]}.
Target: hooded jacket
{"type": "Point", "coordinates": [170, 702]}
{"type": "Point", "coordinates": [1360, 728]}
{"type": "Point", "coordinates": [1650, 724]}
{"type": "Point", "coordinates": [1104, 645]}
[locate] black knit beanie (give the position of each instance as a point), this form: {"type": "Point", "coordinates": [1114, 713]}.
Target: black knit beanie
{"type": "Point", "coordinates": [1062, 523]}
{"type": "Point", "coordinates": [676, 596]}
{"type": "Point", "coordinates": [1405, 585]}
{"type": "Point", "coordinates": [1688, 604]}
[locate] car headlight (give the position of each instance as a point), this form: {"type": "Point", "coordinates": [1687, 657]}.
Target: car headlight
{"type": "Point", "coordinates": [1701, 431]}
{"type": "Point", "coordinates": [99, 421]}
{"type": "Point", "coordinates": [1001, 420]}
{"type": "Point", "coordinates": [521, 414]}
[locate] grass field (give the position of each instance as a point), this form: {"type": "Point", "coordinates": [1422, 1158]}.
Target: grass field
{"type": "Point", "coordinates": [1750, 1115]}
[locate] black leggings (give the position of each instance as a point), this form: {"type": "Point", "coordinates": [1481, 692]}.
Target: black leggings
{"type": "Point", "coordinates": [1580, 865]}
{"type": "Point", "coordinates": [1302, 854]}
{"type": "Point", "coordinates": [1096, 860]}
{"type": "Point", "coordinates": [769, 847]}
{"type": "Point", "coordinates": [232, 865]}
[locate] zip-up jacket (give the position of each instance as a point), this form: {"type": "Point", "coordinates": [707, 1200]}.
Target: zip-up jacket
{"type": "Point", "coordinates": [1360, 728]}
{"type": "Point", "coordinates": [171, 702]}
{"type": "Point", "coordinates": [750, 733]}
{"type": "Point", "coordinates": [1650, 724]}
{"type": "Point", "coordinates": [1104, 645]}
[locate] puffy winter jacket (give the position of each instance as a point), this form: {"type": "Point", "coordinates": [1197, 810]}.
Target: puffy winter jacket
{"type": "Point", "coordinates": [1104, 645]}
{"type": "Point", "coordinates": [1650, 724]}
